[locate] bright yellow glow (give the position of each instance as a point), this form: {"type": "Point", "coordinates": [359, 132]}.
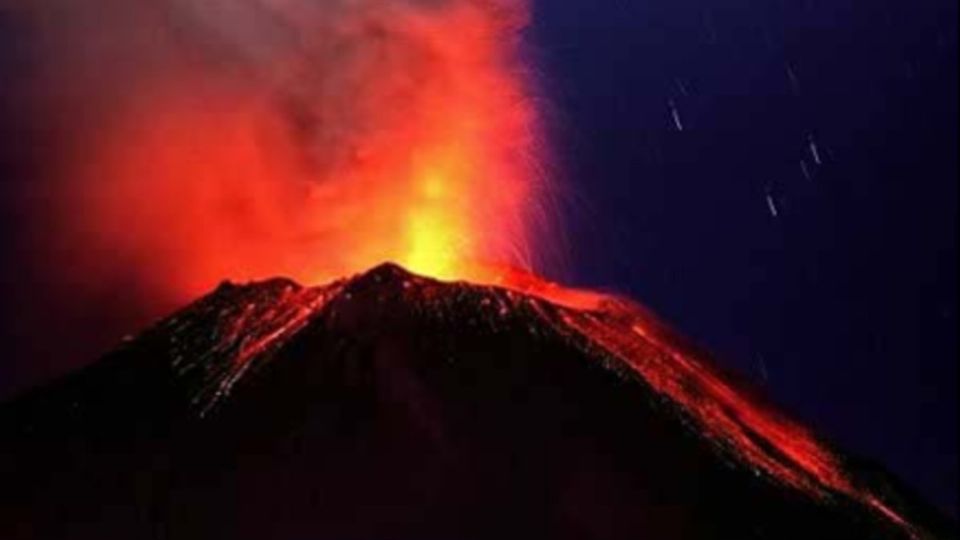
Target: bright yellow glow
{"type": "Point", "coordinates": [432, 246]}
{"type": "Point", "coordinates": [437, 231]}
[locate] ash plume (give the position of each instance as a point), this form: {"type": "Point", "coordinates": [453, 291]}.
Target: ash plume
{"type": "Point", "coordinates": [185, 142]}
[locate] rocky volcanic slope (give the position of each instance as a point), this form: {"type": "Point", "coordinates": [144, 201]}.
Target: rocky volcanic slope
{"type": "Point", "coordinates": [392, 406]}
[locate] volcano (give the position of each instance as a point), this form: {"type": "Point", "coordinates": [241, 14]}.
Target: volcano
{"type": "Point", "coordinates": [390, 405]}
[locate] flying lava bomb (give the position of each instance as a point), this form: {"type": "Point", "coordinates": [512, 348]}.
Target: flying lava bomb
{"type": "Point", "coordinates": [435, 386]}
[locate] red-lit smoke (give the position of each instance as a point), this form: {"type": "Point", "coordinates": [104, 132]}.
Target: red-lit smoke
{"type": "Point", "coordinates": [249, 139]}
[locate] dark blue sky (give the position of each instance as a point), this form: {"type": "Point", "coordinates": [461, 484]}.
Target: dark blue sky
{"type": "Point", "coordinates": [687, 131]}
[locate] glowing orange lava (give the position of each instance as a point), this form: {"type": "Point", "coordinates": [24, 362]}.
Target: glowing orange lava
{"type": "Point", "coordinates": [753, 433]}
{"type": "Point", "coordinates": [260, 319]}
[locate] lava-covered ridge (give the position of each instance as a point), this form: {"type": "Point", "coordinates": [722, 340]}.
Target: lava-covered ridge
{"type": "Point", "coordinates": [443, 380]}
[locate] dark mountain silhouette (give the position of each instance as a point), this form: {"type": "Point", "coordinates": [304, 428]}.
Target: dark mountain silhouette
{"type": "Point", "coordinates": [390, 406]}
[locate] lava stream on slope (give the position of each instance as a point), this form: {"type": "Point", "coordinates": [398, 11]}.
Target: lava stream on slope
{"type": "Point", "coordinates": [259, 319]}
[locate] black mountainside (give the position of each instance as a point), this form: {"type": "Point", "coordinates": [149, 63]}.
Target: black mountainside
{"type": "Point", "coordinates": [388, 406]}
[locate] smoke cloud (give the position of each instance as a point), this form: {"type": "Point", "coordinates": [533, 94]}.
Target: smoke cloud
{"type": "Point", "coordinates": [182, 142]}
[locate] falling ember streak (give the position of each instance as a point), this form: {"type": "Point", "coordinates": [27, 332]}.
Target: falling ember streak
{"type": "Point", "coordinates": [794, 82]}
{"type": "Point", "coordinates": [675, 114]}
{"type": "Point", "coordinates": [762, 365]}
{"type": "Point", "coordinates": [772, 206]}
{"type": "Point", "coordinates": [814, 150]}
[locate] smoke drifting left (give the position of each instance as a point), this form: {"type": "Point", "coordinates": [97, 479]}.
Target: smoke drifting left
{"type": "Point", "coordinates": [178, 143]}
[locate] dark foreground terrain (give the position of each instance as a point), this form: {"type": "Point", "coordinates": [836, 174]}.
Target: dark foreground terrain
{"type": "Point", "coordinates": [393, 407]}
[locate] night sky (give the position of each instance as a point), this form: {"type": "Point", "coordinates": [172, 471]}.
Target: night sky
{"type": "Point", "coordinates": [838, 293]}
{"type": "Point", "coordinates": [777, 179]}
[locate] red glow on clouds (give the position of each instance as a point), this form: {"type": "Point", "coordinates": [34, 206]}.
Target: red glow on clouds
{"type": "Point", "coordinates": [400, 132]}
